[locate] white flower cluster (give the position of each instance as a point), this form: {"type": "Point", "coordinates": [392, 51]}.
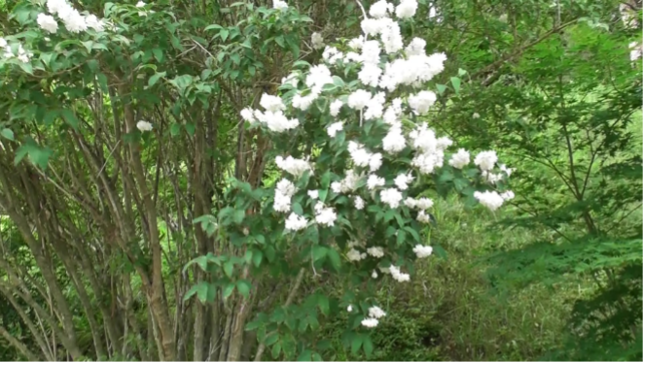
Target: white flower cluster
{"type": "Point", "coordinates": [422, 251]}
{"type": "Point", "coordinates": [273, 117]}
{"type": "Point", "coordinates": [397, 275]}
{"type": "Point", "coordinates": [73, 21]}
{"type": "Point", "coordinates": [374, 316]}
{"type": "Point", "coordinates": [296, 167]}
{"type": "Point", "coordinates": [283, 195]}
{"type": "Point", "coordinates": [279, 4]}
{"type": "Point", "coordinates": [22, 55]}
{"type": "Point", "coordinates": [144, 126]}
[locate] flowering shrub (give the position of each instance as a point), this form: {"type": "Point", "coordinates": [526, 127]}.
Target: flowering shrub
{"type": "Point", "coordinates": [351, 136]}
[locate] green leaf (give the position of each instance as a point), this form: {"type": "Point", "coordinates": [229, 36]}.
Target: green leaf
{"type": "Point", "coordinates": [368, 347]}
{"type": "Point", "coordinates": [276, 350]}
{"type": "Point", "coordinates": [7, 133]}
{"type": "Point", "coordinates": [155, 78]}
{"type": "Point", "coordinates": [224, 33]}
{"type": "Point", "coordinates": [229, 289]}
{"type": "Point", "coordinates": [70, 118]}
{"type": "Point", "coordinates": [159, 54]}
{"type": "Point", "coordinates": [26, 67]}
{"type": "Point", "coordinates": [244, 287]}
{"type": "Point", "coordinates": [228, 268]}
{"type": "Point", "coordinates": [239, 216]}
{"type": "Point", "coordinates": [461, 72]}
{"type": "Point", "coordinates": [324, 304]}
{"type": "Point", "coordinates": [257, 258]}
{"type": "Point", "coordinates": [335, 260]}
{"type": "Point", "coordinates": [271, 339]}
{"type": "Point", "coordinates": [305, 356]}
{"type": "Point", "coordinates": [441, 88]}
{"type": "Point", "coordinates": [175, 129]}
{"type": "Point", "coordinates": [356, 343]}
{"type": "Point", "coordinates": [456, 83]}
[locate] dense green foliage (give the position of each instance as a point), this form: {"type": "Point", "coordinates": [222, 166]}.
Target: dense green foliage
{"type": "Point", "coordinates": [119, 243]}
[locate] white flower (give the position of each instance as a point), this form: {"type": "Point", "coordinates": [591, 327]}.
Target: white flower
{"type": "Point", "coordinates": [422, 251]}
{"type": "Point", "coordinates": [432, 11]}
{"type": "Point", "coordinates": [397, 275]}
{"type": "Point", "coordinates": [334, 128]}
{"type": "Point", "coordinates": [318, 76]}
{"type": "Point", "coordinates": [380, 9]}
{"type": "Point", "coordinates": [359, 203]}
{"type": "Point", "coordinates": [347, 184]}
{"type": "Point", "coordinates": [314, 194]}
{"type": "Point", "coordinates": [279, 4]}
{"type": "Point", "coordinates": [303, 102]}
{"type": "Point", "coordinates": [317, 41]}
{"type": "Point", "coordinates": [423, 217]}
{"type": "Point", "coordinates": [486, 160]}
{"type": "Point", "coordinates": [416, 47]}
{"type": "Point", "coordinates": [349, 308]}
{"type": "Point", "coordinates": [336, 187]}
{"type": "Point", "coordinates": [476, 115]}
{"type": "Point", "coordinates": [248, 115]}
{"type": "Point", "coordinates": [635, 51]}
{"type": "Point", "coordinates": [370, 75]}
{"type": "Point", "coordinates": [54, 6]}
{"type": "Point", "coordinates": [489, 199]}
{"type": "Point", "coordinates": [3, 42]}
{"type": "Point", "coordinates": [282, 202]}
{"type": "Point", "coordinates": [376, 312]}
{"type": "Point", "coordinates": [427, 162]}
{"type": "Point", "coordinates": [292, 79]}
{"type": "Point", "coordinates": [47, 23]}
{"type": "Point", "coordinates": [360, 156]}
{"type": "Point", "coordinates": [406, 9]}
{"type": "Point", "coordinates": [374, 181]}
{"type": "Point", "coordinates": [359, 99]}
{"type": "Point", "coordinates": [374, 274]}
{"type": "Point", "coordinates": [93, 22]}
{"type": "Point", "coordinates": [492, 178]}
{"type": "Point", "coordinates": [293, 166]}
{"type": "Point", "coordinates": [424, 203]}
{"type": "Point", "coordinates": [371, 52]}
{"type": "Point", "coordinates": [335, 106]}
{"type": "Point", "coordinates": [508, 171]}
{"type": "Point", "coordinates": [375, 106]}
{"type": "Point", "coordinates": [295, 222]}
{"type": "Point", "coordinates": [286, 187]}
{"type": "Point", "coordinates": [272, 103]}
{"type": "Point", "coordinates": [415, 70]}
{"type": "Point", "coordinates": [277, 121]}
{"type": "Point", "coordinates": [375, 162]}
{"type": "Point", "coordinates": [507, 195]}
{"type": "Point", "coordinates": [144, 126]}
{"type": "Point", "coordinates": [376, 252]}
{"type": "Point", "coordinates": [460, 159]}
{"type": "Point", "coordinates": [391, 197]}
{"type": "Point", "coordinates": [394, 141]}
{"type": "Point", "coordinates": [326, 217]}
{"type": "Point", "coordinates": [402, 181]}
{"type": "Point", "coordinates": [391, 37]}
{"type": "Point", "coordinates": [422, 101]}
{"type": "Point", "coordinates": [356, 43]}
{"type": "Point", "coordinates": [73, 20]}
{"type": "Point", "coordinates": [140, 4]}
{"type": "Point", "coordinates": [354, 255]}
{"type": "Point", "coordinates": [332, 55]}
{"type": "Point", "coordinates": [411, 202]}
{"type": "Point", "coordinates": [370, 322]}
